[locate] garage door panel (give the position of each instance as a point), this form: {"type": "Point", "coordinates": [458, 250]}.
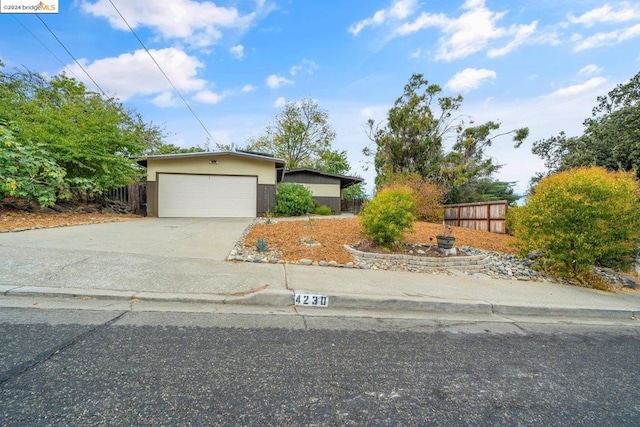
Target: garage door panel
{"type": "Point", "coordinates": [206, 196]}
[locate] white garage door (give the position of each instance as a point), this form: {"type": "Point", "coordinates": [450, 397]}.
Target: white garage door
{"type": "Point", "coordinates": [201, 196]}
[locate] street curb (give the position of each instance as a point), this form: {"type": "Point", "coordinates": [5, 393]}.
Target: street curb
{"type": "Point", "coordinates": [284, 298]}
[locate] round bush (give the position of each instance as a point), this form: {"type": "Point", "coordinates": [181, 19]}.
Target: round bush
{"type": "Point", "coordinates": [578, 219]}
{"type": "Point", "coordinates": [388, 216]}
{"type": "Point", "coordinates": [293, 200]}
{"type": "Point", "coordinates": [428, 196]}
{"type": "Point", "coordinates": [323, 210]}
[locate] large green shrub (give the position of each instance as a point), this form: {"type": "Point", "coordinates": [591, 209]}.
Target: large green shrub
{"type": "Point", "coordinates": [28, 171]}
{"type": "Point", "coordinates": [389, 215]}
{"type": "Point", "coordinates": [293, 200]}
{"type": "Point", "coordinates": [580, 218]}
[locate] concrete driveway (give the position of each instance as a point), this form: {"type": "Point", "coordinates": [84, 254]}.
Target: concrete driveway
{"type": "Point", "coordinates": [149, 254]}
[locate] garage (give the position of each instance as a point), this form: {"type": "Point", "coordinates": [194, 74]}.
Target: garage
{"type": "Point", "coordinates": [198, 196]}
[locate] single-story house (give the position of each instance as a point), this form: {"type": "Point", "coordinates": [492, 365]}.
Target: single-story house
{"type": "Point", "coordinates": [211, 184]}
{"type": "Point", "coordinates": [229, 184]}
{"type": "Point", "coordinates": [326, 187]}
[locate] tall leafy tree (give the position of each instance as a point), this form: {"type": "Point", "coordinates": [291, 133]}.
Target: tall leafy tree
{"type": "Point", "coordinates": [301, 135]}
{"type": "Point", "coordinates": [412, 139]}
{"type": "Point", "coordinates": [610, 139]}
{"type": "Point", "coordinates": [94, 139]}
{"type": "Point", "coordinates": [412, 142]}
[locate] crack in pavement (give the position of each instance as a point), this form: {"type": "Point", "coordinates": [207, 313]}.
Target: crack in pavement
{"type": "Point", "coordinates": [48, 354]}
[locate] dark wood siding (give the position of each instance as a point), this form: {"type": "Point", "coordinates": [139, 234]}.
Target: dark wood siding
{"type": "Point", "coordinates": [152, 198]}
{"type": "Point", "coordinates": [266, 198]}
{"type": "Point", "coordinates": [309, 178]}
{"type": "Point", "coordinates": [332, 202]}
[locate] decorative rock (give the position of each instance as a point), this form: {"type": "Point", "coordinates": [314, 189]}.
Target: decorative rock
{"type": "Point", "coordinates": [349, 265]}
{"type": "Point", "coordinates": [305, 261]}
{"type": "Point", "coordinates": [420, 252]}
{"type": "Point", "coordinates": [628, 282]}
{"type": "Point", "coordinates": [365, 266]}
{"type": "Point", "coordinates": [323, 263]}
{"type": "Point", "coordinates": [333, 263]}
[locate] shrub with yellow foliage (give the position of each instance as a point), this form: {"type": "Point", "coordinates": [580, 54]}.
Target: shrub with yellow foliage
{"type": "Point", "coordinates": [580, 218]}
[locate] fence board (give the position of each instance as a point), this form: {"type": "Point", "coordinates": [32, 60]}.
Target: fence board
{"type": "Point", "coordinates": [135, 195]}
{"type": "Point", "coordinates": [485, 216]}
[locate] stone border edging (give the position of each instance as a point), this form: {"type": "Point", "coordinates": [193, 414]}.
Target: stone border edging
{"type": "Point", "coordinates": [471, 263]}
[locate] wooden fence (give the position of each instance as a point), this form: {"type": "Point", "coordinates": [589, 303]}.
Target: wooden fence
{"type": "Point", "coordinates": [485, 216]}
{"type": "Point", "coordinates": [135, 195]}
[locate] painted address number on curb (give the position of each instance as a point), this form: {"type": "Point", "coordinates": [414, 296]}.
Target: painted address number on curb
{"type": "Point", "coordinates": [311, 300]}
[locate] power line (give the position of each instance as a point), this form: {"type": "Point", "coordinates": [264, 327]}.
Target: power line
{"type": "Point", "coordinates": [44, 45]}
{"type": "Point", "coordinates": [163, 73]}
{"type": "Point", "coordinates": [71, 55]}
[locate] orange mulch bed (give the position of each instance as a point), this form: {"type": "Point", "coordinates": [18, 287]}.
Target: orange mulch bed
{"type": "Point", "coordinates": [11, 219]}
{"type": "Point", "coordinates": [332, 234]}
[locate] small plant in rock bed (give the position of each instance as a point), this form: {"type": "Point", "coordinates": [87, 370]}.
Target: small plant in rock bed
{"type": "Point", "coordinates": [268, 217]}
{"type": "Point", "coordinates": [261, 245]}
{"type": "Point", "coordinates": [323, 210]}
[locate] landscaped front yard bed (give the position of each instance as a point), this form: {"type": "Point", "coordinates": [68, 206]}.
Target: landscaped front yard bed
{"type": "Point", "coordinates": [324, 239]}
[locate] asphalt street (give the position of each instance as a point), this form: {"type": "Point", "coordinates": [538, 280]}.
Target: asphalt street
{"type": "Point", "coordinates": [82, 367]}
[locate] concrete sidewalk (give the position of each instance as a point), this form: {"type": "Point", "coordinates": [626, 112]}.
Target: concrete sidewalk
{"type": "Point", "coordinates": [220, 282]}
{"type": "Point", "coordinates": [76, 261]}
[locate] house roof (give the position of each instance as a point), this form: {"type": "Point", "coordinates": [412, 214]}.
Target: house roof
{"type": "Point", "coordinates": [345, 180]}
{"type": "Point", "coordinates": [279, 163]}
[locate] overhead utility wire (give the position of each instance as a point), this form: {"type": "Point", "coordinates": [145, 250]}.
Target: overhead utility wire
{"type": "Point", "coordinates": [44, 45]}
{"type": "Point", "coordinates": [163, 73]}
{"type": "Point", "coordinates": [71, 55]}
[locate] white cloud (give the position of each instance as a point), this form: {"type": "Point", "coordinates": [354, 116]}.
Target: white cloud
{"type": "Point", "coordinates": [470, 32]}
{"type": "Point", "coordinates": [521, 34]}
{"type": "Point", "coordinates": [375, 112]}
{"type": "Point", "coordinates": [399, 10]}
{"type": "Point", "coordinates": [197, 23]}
{"type": "Point", "coordinates": [237, 51]}
{"type": "Point", "coordinates": [306, 65]}
{"type": "Point", "coordinates": [165, 99]}
{"type": "Point", "coordinates": [275, 81]}
{"type": "Point", "coordinates": [469, 78]}
{"type": "Point", "coordinates": [280, 102]}
{"type": "Point", "coordinates": [589, 70]}
{"type": "Point", "coordinates": [208, 97]}
{"type": "Point", "coordinates": [248, 88]}
{"type": "Point", "coordinates": [579, 89]}
{"type": "Point", "coordinates": [605, 14]}
{"type": "Point", "coordinates": [132, 74]}
{"type": "Point", "coordinates": [605, 39]}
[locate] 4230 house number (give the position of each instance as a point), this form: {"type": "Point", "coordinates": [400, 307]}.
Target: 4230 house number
{"type": "Point", "coordinates": [311, 300]}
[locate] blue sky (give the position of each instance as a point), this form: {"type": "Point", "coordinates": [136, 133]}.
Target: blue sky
{"type": "Point", "coordinates": [535, 63]}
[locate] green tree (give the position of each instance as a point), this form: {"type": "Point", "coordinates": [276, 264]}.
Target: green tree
{"type": "Point", "coordinates": [611, 136]}
{"type": "Point", "coordinates": [300, 135]}
{"type": "Point", "coordinates": [332, 162]}
{"type": "Point", "coordinates": [92, 138]}
{"type": "Point", "coordinates": [412, 141]}
{"type": "Point", "coordinates": [28, 171]}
